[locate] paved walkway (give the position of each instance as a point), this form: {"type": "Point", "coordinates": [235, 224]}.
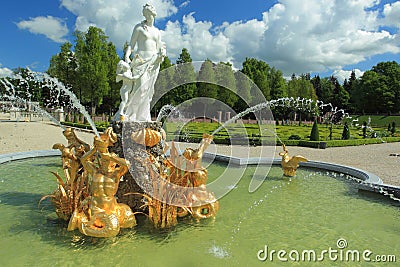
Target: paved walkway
{"type": "Point", "coordinates": [28, 136]}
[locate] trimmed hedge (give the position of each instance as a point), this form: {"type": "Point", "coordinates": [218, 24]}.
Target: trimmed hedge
{"type": "Point", "coordinates": [83, 126]}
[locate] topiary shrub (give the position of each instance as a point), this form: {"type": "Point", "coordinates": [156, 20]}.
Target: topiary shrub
{"type": "Point", "coordinates": [346, 132]}
{"type": "Point", "coordinates": [294, 137]}
{"type": "Point", "coordinates": [393, 129]}
{"type": "Point", "coordinates": [314, 136]}
{"type": "Point", "coordinates": [364, 129]}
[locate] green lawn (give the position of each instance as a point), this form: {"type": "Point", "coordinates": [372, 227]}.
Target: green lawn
{"type": "Point", "coordinates": [378, 120]}
{"type": "Point", "coordinates": [256, 134]}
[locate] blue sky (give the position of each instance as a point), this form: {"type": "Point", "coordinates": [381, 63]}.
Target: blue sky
{"type": "Point", "coordinates": [317, 36]}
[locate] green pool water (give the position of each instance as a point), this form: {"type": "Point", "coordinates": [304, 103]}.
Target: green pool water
{"type": "Point", "coordinates": [309, 212]}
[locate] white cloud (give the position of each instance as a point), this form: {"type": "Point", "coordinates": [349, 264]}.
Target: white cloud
{"type": "Point", "coordinates": [392, 14]}
{"type": "Point", "coordinates": [5, 72]}
{"type": "Point", "coordinates": [117, 18]}
{"type": "Point", "coordinates": [293, 36]}
{"type": "Point", "coordinates": [341, 75]}
{"type": "Point", "coordinates": [184, 4]}
{"type": "Point", "coordinates": [196, 36]}
{"type": "Point", "coordinates": [53, 28]}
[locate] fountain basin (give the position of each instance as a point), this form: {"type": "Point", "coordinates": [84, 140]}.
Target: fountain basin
{"type": "Point", "coordinates": [311, 211]}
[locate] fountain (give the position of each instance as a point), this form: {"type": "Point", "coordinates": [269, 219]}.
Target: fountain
{"type": "Point", "coordinates": [105, 202]}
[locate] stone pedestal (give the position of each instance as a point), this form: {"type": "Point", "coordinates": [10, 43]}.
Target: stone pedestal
{"type": "Point", "coordinates": [220, 116]}
{"type": "Point", "coordinates": [59, 115]}
{"type": "Point", "coordinates": [137, 179]}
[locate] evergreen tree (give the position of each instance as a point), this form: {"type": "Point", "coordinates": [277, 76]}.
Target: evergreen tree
{"type": "Point", "coordinates": [316, 82]}
{"type": "Point", "coordinates": [346, 132]}
{"type": "Point", "coordinates": [314, 136]}
{"type": "Point", "coordinates": [393, 129]}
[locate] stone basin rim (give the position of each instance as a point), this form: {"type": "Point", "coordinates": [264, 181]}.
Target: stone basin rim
{"type": "Point", "coordinates": [367, 181]}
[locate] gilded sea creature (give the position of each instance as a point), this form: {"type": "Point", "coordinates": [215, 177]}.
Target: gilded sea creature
{"type": "Point", "coordinates": [290, 164]}
{"type": "Point", "coordinates": [147, 137]}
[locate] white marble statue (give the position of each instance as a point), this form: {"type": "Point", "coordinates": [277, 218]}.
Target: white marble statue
{"type": "Point", "coordinates": [124, 74]}
{"type": "Point", "coordinates": [145, 66]}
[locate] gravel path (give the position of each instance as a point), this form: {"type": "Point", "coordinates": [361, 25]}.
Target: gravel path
{"type": "Point", "coordinates": [27, 136]}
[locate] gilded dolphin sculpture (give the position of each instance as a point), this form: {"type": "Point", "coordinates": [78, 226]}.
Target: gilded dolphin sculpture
{"type": "Point", "coordinates": [290, 164]}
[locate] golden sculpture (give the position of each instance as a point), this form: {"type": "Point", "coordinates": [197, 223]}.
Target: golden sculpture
{"type": "Point", "coordinates": [71, 192]}
{"type": "Point", "coordinates": [197, 176]}
{"type": "Point", "coordinates": [146, 137]}
{"type": "Point", "coordinates": [104, 216]}
{"type": "Point", "coordinates": [290, 164]}
{"type": "Point", "coordinates": [87, 196]}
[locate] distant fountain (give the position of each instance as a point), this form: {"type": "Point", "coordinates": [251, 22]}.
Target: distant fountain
{"type": "Point", "coordinates": [41, 111]}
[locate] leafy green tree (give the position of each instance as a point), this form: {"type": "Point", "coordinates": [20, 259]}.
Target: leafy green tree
{"type": "Point", "coordinates": [257, 71]}
{"type": "Point", "coordinates": [207, 89]}
{"type": "Point", "coordinates": [243, 86]}
{"type": "Point", "coordinates": [91, 50]}
{"type": "Point", "coordinates": [226, 78]}
{"type": "Point", "coordinates": [184, 75]}
{"type": "Point", "coordinates": [378, 90]}
{"type": "Point", "coordinates": [277, 84]}
{"type": "Point", "coordinates": [64, 65]}
{"type": "Point", "coordinates": [165, 81]}
{"type": "Point", "coordinates": [301, 87]}
{"type": "Point", "coordinates": [111, 100]}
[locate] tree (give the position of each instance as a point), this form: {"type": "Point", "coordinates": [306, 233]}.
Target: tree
{"type": "Point", "coordinates": [243, 86]}
{"type": "Point", "coordinates": [165, 82]}
{"type": "Point", "coordinates": [112, 99]}
{"type": "Point", "coordinates": [340, 97]}
{"type": "Point", "coordinates": [316, 82]}
{"type": "Point", "coordinates": [277, 84]}
{"type": "Point", "coordinates": [257, 71]}
{"type": "Point", "coordinates": [206, 87]}
{"type": "Point", "coordinates": [184, 76]}
{"type": "Point", "coordinates": [91, 50]}
{"type": "Point", "coordinates": [225, 77]}
{"type": "Point", "coordinates": [314, 136]}
{"type": "Point", "coordinates": [63, 66]}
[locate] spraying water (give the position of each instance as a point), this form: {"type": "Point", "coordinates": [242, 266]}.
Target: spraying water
{"type": "Point", "coordinates": [55, 86]}
{"type": "Point", "coordinates": [41, 111]}
{"type": "Point", "coordinates": [164, 112]}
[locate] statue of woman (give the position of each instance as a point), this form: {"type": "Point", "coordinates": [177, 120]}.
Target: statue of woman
{"type": "Point", "coordinates": [145, 65]}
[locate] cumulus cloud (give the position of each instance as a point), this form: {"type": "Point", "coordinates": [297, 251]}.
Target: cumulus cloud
{"type": "Point", "coordinates": [392, 14]}
{"type": "Point", "coordinates": [5, 72]}
{"type": "Point", "coordinates": [117, 18]}
{"type": "Point", "coordinates": [196, 36]}
{"type": "Point", "coordinates": [324, 35]}
{"type": "Point", "coordinates": [341, 75]}
{"type": "Point", "coordinates": [53, 28]}
{"type": "Point", "coordinates": [293, 36]}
